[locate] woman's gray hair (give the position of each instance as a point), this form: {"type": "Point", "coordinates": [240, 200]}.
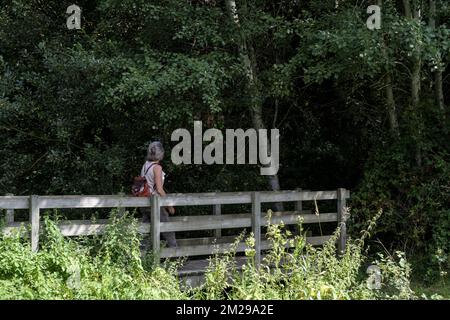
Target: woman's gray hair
{"type": "Point", "coordinates": [155, 151]}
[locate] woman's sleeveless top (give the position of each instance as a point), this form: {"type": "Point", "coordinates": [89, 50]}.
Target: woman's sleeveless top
{"type": "Point", "coordinates": [149, 175]}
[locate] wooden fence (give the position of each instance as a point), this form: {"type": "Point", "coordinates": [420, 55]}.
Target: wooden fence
{"type": "Point", "coordinates": [186, 247]}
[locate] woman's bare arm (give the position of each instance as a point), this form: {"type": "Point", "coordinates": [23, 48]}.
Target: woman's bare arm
{"type": "Point", "coordinates": [157, 171]}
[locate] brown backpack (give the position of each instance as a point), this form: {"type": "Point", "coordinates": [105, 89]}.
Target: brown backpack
{"type": "Point", "coordinates": [140, 187]}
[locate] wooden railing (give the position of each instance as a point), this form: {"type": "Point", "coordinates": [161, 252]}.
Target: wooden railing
{"type": "Point", "coordinates": [186, 247]}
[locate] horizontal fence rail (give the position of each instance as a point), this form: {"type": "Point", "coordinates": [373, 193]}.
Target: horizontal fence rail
{"type": "Point", "coordinates": [230, 221]}
{"type": "Point", "coordinates": [187, 247]}
{"type": "Point", "coordinates": [176, 199]}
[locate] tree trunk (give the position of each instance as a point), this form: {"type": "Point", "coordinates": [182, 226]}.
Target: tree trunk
{"type": "Point", "coordinates": [407, 7]}
{"type": "Point", "coordinates": [415, 85]}
{"type": "Point", "coordinates": [417, 64]}
{"type": "Point", "coordinates": [389, 90]}
{"type": "Point", "coordinates": [439, 92]}
{"type": "Point", "coordinates": [416, 82]}
{"type": "Point", "coordinates": [248, 59]}
{"type": "Point", "coordinates": [415, 88]}
{"type": "Point", "coordinates": [390, 101]}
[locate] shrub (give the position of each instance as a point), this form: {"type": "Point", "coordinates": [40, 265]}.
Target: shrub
{"type": "Point", "coordinates": [107, 267]}
{"type": "Point", "coordinates": [415, 202]}
{"type": "Point", "coordinates": [110, 267]}
{"type": "Point", "coordinates": [306, 272]}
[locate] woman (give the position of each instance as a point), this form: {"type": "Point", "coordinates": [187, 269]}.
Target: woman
{"type": "Point", "coordinates": [154, 175]}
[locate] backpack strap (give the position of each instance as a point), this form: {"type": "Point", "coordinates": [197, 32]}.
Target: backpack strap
{"type": "Point", "coordinates": [146, 171]}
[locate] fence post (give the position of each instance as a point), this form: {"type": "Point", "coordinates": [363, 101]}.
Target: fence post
{"type": "Point", "coordinates": [155, 227]}
{"type": "Point", "coordinates": [34, 220]}
{"type": "Point", "coordinates": [217, 211]}
{"type": "Point", "coordinates": [9, 213]}
{"type": "Point", "coordinates": [299, 208]}
{"type": "Point", "coordinates": [299, 204]}
{"type": "Point", "coordinates": [121, 209]}
{"type": "Point", "coordinates": [256, 226]}
{"type": "Point", "coordinates": [341, 210]}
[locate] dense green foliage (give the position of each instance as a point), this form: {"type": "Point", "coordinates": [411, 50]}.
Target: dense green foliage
{"type": "Point", "coordinates": [110, 267]}
{"type": "Point", "coordinates": [356, 108]}
{"type": "Point", "coordinates": [307, 272]}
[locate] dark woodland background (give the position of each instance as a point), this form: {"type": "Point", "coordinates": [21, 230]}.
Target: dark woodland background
{"type": "Point", "coordinates": [360, 109]}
